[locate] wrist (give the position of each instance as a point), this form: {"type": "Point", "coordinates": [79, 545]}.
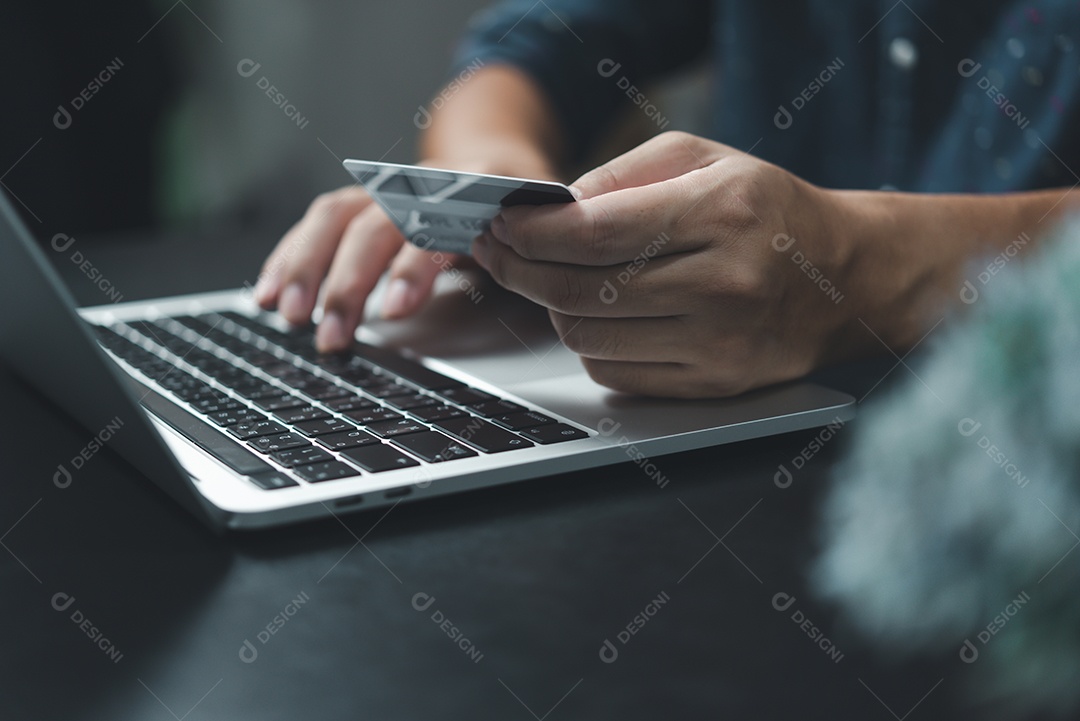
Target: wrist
{"type": "Point", "coordinates": [904, 254]}
{"type": "Point", "coordinates": [857, 242]}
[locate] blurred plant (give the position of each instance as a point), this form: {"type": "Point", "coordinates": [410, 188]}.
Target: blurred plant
{"type": "Point", "coordinates": [959, 501]}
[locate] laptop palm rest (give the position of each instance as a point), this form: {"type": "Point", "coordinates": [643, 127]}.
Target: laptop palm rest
{"type": "Point", "coordinates": [509, 342]}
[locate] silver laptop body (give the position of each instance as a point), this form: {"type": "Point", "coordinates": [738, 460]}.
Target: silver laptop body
{"type": "Point", "coordinates": [502, 346]}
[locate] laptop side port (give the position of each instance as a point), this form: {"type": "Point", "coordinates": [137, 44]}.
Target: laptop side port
{"type": "Point", "coordinates": [398, 492]}
{"type": "Point", "coordinates": [348, 502]}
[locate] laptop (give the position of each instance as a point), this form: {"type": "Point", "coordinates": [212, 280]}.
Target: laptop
{"type": "Point", "coordinates": [236, 417]}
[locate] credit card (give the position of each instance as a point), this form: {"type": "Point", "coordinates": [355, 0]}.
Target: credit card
{"type": "Point", "coordinates": [445, 210]}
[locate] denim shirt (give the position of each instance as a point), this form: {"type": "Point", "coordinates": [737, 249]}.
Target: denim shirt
{"type": "Point", "coordinates": [918, 95]}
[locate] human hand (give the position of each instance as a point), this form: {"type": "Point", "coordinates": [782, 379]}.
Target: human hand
{"type": "Point", "coordinates": [345, 242]}
{"type": "Point", "coordinates": [674, 274]}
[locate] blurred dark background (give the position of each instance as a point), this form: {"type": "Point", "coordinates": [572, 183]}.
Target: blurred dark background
{"type": "Point", "coordinates": [174, 133]}
{"type": "Point", "coordinates": [135, 115]}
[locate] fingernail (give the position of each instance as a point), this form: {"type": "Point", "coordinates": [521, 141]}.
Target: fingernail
{"type": "Point", "coordinates": [398, 298]}
{"type": "Point", "coordinates": [480, 250]}
{"type": "Point", "coordinates": [498, 228]}
{"type": "Point", "coordinates": [291, 303]}
{"type": "Point", "coordinates": [331, 334]}
{"type": "Point", "coordinates": [576, 192]}
{"type": "Point", "coordinates": [265, 288]}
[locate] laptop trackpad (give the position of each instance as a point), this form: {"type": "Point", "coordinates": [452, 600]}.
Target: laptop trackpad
{"type": "Point", "coordinates": [776, 409]}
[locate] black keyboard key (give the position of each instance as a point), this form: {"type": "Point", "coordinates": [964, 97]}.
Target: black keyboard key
{"type": "Point", "coordinates": [210, 400]}
{"type": "Point", "coordinates": [238, 318]}
{"type": "Point", "coordinates": [153, 366]}
{"type": "Point", "coordinates": [351, 403]}
{"type": "Point", "coordinates": [279, 442]}
{"type": "Point", "coordinates": [378, 457]}
{"type": "Point", "coordinates": [411, 400]}
{"type": "Point", "coordinates": [204, 435]}
{"type": "Point", "coordinates": [301, 456]}
{"type": "Point", "coordinates": [272, 480]}
{"type": "Point", "coordinates": [301, 380]}
{"type": "Point", "coordinates": [229, 343]}
{"type": "Point", "coordinates": [433, 447]}
{"type": "Point", "coordinates": [180, 378]}
{"type": "Point", "coordinates": [466, 396]}
{"type": "Point", "coordinates": [300, 337]}
{"type": "Point", "coordinates": [499, 407]}
{"type": "Point", "coordinates": [109, 338]}
{"type": "Point", "coordinates": [482, 435]}
{"type": "Point", "coordinates": [175, 380]}
{"type": "Point", "coordinates": [372, 415]}
{"type": "Point", "coordinates": [555, 433]}
{"type": "Point", "coordinates": [258, 358]}
{"type": "Point", "coordinates": [437, 413]}
{"type": "Point", "coordinates": [255, 428]}
{"type": "Point", "coordinates": [359, 376]}
{"type": "Point", "coordinates": [307, 352]}
{"type": "Point", "coordinates": [255, 389]}
{"type": "Point", "coordinates": [275, 367]}
{"type": "Point", "coordinates": [211, 365]}
{"type": "Point", "coordinates": [301, 414]}
{"type": "Point", "coordinates": [279, 402]}
{"type": "Point", "coordinates": [346, 439]}
{"type": "Point", "coordinates": [323, 426]}
{"type": "Point", "coordinates": [328, 391]}
{"type": "Point", "coordinates": [338, 363]}
{"type": "Point", "coordinates": [236, 415]}
{"type": "Point", "coordinates": [326, 471]}
{"type": "Point", "coordinates": [220, 370]}
{"type": "Point", "coordinates": [198, 391]}
{"type": "Point", "coordinates": [242, 380]}
{"type": "Point", "coordinates": [520, 421]}
{"type": "Point", "coordinates": [152, 330]}
{"type": "Point", "coordinates": [198, 325]}
{"type": "Point", "coordinates": [388, 429]}
{"type": "Point", "coordinates": [387, 390]}
{"type": "Point", "coordinates": [215, 405]}
{"type": "Point", "coordinates": [333, 362]}
{"type": "Point", "coordinates": [237, 378]}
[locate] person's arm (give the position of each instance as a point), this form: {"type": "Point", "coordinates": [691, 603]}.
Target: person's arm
{"type": "Point", "coordinates": [498, 122]}
{"type": "Point", "coordinates": [912, 256]}
{"type": "Point", "coordinates": [586, 55]}
{"type": "Point", "coordinates": [689, 268]}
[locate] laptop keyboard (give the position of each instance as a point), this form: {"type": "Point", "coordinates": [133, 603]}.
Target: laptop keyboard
{"type": "Point", "coordinates": [294, 416]}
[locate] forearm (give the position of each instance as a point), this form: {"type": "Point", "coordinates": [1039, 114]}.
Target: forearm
{"type": "Point", "coordinates": [909, 255]}
{"type": "Point", "coordinates": [500, 122]}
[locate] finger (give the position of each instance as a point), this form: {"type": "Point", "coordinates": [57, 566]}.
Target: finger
{"type": "Point", "coordinates": [663, 157]}
{"type": "Point", "coordinates": [290, 277]}
{"type": "Point", "coordinates": [412, 276]}
{"type": "Point", "coordinates": [595, 292]}
{"type": "Point", "coordinates": [369, 244]}
{"type": "Point", "coordinates": [613, 228]}
{"type": "Point", "coordinates": [621, 339]}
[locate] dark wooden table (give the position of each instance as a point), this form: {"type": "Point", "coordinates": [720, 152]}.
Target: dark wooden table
{"type": "Point", "coordinates": [504, 603]}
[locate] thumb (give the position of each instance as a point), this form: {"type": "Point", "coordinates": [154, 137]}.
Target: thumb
{"type": "Point", "coordinates": [663, 157]}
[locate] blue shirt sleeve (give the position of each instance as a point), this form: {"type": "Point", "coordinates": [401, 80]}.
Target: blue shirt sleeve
{"type": "Point", "coordinates": [587, 55]}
